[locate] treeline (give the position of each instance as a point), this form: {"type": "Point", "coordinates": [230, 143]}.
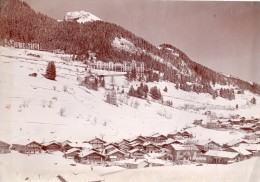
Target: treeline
{"type": "Point", "coordinates": [20, 23]}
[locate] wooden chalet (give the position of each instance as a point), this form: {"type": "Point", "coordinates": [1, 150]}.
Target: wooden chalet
{"type": "Point", "coordinates": [137, 146]}
{"type": "Point", "coordinates": [177, 135]}
{"type": "Point", "coordinates": [206, 145]}
{"type": "Point", "coordinates": [52, 147]}
{"type": "Point", "coordinates": [66, 145]}
{"type": "Point", "coordinates": [109, 148]}
{"type": "Point", "coordinates": [33, 147]}
{"type": "Point", "coordinates": [124, 142]}
{"type": "Point", "coordinates": [234, 143]}
{"type": "Point", "coordinates": [115, 155]}
{"type": "Point", "coordinates": [125, 147]}
{"type": "Point", "coordinates": [90, 157]}
{"type": "Point", "coordinates": [243, 153]}
{"type": "Point", "coordinates": [157, 138]}
{"type": "Point", "coordinates": [220, 157]}
{"type": "Point", "coordinates": [151, 148]}
{"type": "Point", "coordinates": [136, 154]}
{"type": "Point", "coordinates": [184, 152]}
{"type": "Point", "coordinates": [136, 164]}
{"type": "Point", "coordinates": [4, 147]}
{"type": "Point", "coordinates": [71, 153]}
{"type": "Point", "coordinates": [97, 143]}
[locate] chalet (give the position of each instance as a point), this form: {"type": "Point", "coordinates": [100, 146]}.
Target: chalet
{"type": "Point", "coordinates": [115, 155]}
{"type": "Point", "coordinates": [137, 146]}
{"type": "Point", "coordinates": [151, 148]}
{"type": "Point", "coordinates": [156, 162]}
{"type": "Point", "coordinates": [157, 138]}
{"type": "Point", "coordinates": [186, 134]}
{"type": "Point", "coordinates": [198, 122]}
{"type": "Point", "coordinates": [52, 147]}
{"type": "Point", "coordinates": [163, 155]}
{"type": "Point", "coordinates": [206, 145]}
{"type": "Point", "coordinates": [220, 157]}
{"type": "Point", "coordinates": [226, 125]}
{"type": "Point", "coordinates": [177, 135]}
{"type": "Point", "coordinates": [136, 154]}
{"type": "Point", "coordinates": [138, 140]}
{"type": "Point", "coordinates": [97, 143]}
{"type": "Point", "coordinates": [66, 145]}
{"type": "Point", "coordinates": [33, 147]}
{"type": "Point", "coordinates": [4, 147]}
{"type": "Point", "coordinates": [124, 142]}
{"type": "Point", "coordinates": [184, 152]}
{"type": "Point", "coordinates": [243, 153]}
{"type": "Point", "coordinates": [18, 148]}
{"type": "Point", "coordinates": [234, 143]}
{"type": "Point", "coordinates": [125, 147]}
{"type": "Point", "coordinates": [253, 148]}
{"type": "Point", "coordinates": [109, 148]}
{"type": "Point", "coordinates": [137, 163]}
{"type": "Point", "coordinates": [71, 153]}
{"type": "Point", "coordinates": [89, 157]}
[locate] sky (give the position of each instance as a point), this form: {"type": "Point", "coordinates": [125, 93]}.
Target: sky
{"type": "Point", "coordinates": [224, 36]}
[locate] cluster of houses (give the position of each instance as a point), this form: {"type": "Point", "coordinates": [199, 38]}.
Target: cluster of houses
{"type": "Point", "coordinates": [141, 151]}
{"type": "Point", "coordinates": [249, 125]}
{"type": "Point", "coordinates": [20, 45]}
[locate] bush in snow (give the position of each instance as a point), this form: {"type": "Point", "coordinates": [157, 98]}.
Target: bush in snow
{"type": "Point", "coordinates": [51, 71]}
{"type": "Point", "coordinates": [165, 113]}
{"type": "Point", "coordinates": [253, 101]}
{"type": "Point", "coordinates": [62, 111]}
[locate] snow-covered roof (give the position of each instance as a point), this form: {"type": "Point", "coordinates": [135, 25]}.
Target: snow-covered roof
{"type": "Point", "coordinates": [184, 147]}
{"type": "Point", "coordinates": [115, 151]}
{"type": "Point", "coordinates": [234, 142]}
{"type": "Point", "coordinates": [88, 152]}
{"type": "Point", "coordinates": [251, 147]}
{"type": "Point", "coordinates": [257, 132]}
{"type": "Point", "coordinates": [223, 154]}
{"type": "Point", "coordinates": [71, 150]}
{"type": "Point", "coordinates": [135, 150]}
{"type": "Point", "coordinates": [241, 150]}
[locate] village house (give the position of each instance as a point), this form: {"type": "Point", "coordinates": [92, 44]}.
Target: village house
{"type": "Point", "coordinates": [174, 136]}
{"type": "Point", "coordinates": [136, 154]}
{"type": "Point", "coordinates": [71, 153]}
{"type": "Point", "coordinates": [220, 157]}
{"type": "Point", "coordinates": [90, 157]}
{"type": "Point", "coordinates": [237, 121]}
{"type": "Point", "coordinates": [136, 163]}
{"type": "Point", "coordinates": [137, 140]}
{"type": "Point", "coordinates": [97, 143]}
{"type": "Point", "coordinates": [137, 146]}
{"type": "Point", "coordinates": [125, 147]}
{"type": "Point", "coordinates": [253, 148]}
{"type": "Point", "coordinates": [18, 148]}
{"type": "Point", "coordinates": [33, 147]}
{"type": "Point", "coordinates": [243, 153]}
{"type": "Point", "coordinates": [157, 138]}
{"type": "Point", "coordinates": [66, 145]}
{"type": "Point", "coordinates": [234, 143]}
{"type": "Point", "coordinates": [186, 134]}
{"type": "Point", "coordinates": [4, 147]}
{"type": "Point", "coordinates": [212, 125]}
{"type": "Point", "coordinates": [115, 155]}
{"type": "Point", "coordinates": [206, 145]}
{"type": "Point", "coordinates": [184, 152]}
{"type": "Point", "coordinates": [52, 147]}
{"type": "Point", "coordinates": [109, 148]}
{"type": "Point", "coordinates": [151, 148]}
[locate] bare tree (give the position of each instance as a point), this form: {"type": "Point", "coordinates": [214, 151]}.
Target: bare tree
{"type": "Point", "coordinates": [62, 111]}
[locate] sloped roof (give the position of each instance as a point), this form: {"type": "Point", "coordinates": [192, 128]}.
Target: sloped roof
{"type": "Point", "coordinates": [115, 151]}
{"type": "Point", "coordinates": [251, 147]}
{"type": "Point", "coordinates": [184, 147]}
{"type": "Point", "coordinates": [4, 144]}
{"type": "Point", "coordinates": [72, 150]}
{"type": "Point", "coordinates": [85, 153]}
{"type": "Point", "coordinates": [222, 154]}
{"type": "Point", "coordinates": [241, 150]}
{"type": "Point", "coordinates": [135, 150]}
{"type": "Point", "coordinates": [234, 142]}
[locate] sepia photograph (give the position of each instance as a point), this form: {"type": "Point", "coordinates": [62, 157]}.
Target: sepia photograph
{"type": "Point", "coordinates": [129, 91]}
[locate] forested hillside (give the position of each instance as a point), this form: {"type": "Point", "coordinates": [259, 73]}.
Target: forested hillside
{"type": "Point", "coordinates": [20, 23]}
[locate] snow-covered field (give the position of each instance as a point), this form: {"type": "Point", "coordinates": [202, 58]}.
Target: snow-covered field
{"type": "Point", "coordinates": [45, 167]}
{"type": "Point", "coordinates": [30, 106]}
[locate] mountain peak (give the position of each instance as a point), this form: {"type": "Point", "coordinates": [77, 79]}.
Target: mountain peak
{"type": "Point", "coordinates": [81, 16]}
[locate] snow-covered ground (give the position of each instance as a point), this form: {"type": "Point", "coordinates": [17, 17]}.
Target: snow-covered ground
{"type": "Point", "coordinates": [30, 107]}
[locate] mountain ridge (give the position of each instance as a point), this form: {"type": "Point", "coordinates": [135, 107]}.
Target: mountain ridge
{"type": "Point", "coordinates": [99, 36]}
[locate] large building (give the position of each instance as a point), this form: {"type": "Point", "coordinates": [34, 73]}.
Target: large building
{"type": "Point", "coordinates": [121, 67]}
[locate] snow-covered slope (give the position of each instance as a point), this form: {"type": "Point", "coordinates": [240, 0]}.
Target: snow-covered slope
{"type": "Point", "coordinates": [81, 16]}
{"type": "Point", "coordinates": [30, 106]}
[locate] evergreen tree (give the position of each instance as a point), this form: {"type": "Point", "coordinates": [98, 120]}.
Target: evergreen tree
{"type": "Point", "coordinates": [51, 71]}
{"type": "Point", "coordinates": [165, 89]}
{"type": "Point", "coordinates": [155, 93]}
